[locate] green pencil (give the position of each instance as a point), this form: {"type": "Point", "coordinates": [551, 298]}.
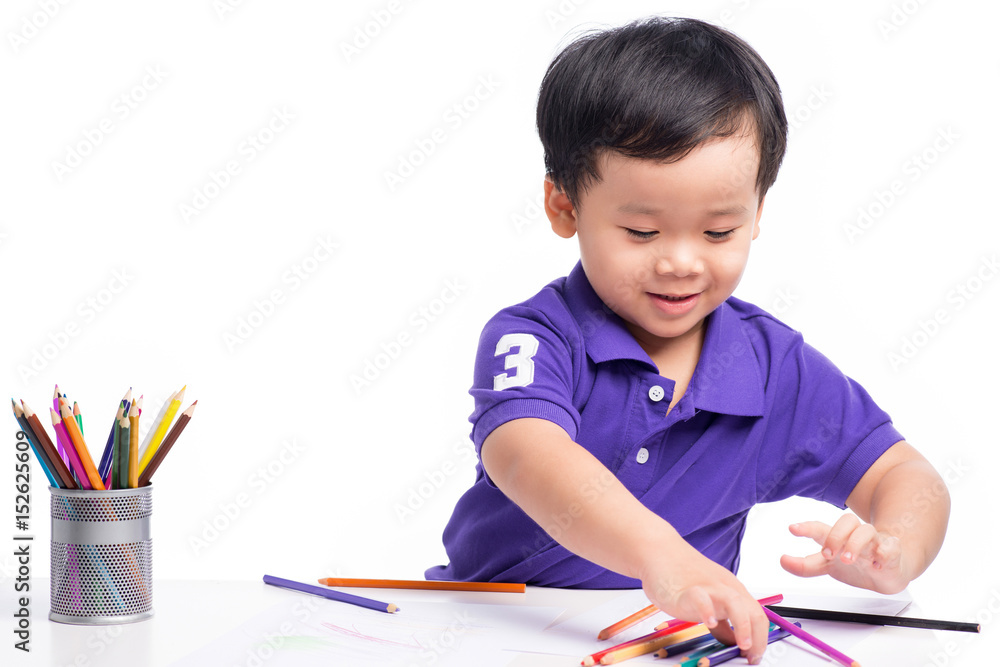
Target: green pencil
{"type": "Point", "coordinates": [120, 480]}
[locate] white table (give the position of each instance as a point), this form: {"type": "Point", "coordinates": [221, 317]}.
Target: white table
{"type": "Point", "coordinates": [190, 614]}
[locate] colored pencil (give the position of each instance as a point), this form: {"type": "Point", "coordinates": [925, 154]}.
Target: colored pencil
{"type": "Point", "coordinates": [124, 430]}
{"type": "Point", "coordinates": [161, 453]}
{"type": "Point", "coordinates": [679, 625]}
{"type": "Point", "coordinates": [59, 442]}
{"type": "Point", "coordinates": [676, 635]}
{"type": "Point", "coordinates": [873, 619]}
{"type": "Point", "coordinates": [60, 470]}
{"type": "Point", "coordinates": [686, 646]}
{"type": "Point", "coordinates": [109, 469]}
{"type": "Point", "coordinates": [809, 639]}
{"type": "Point", "coordinates": [78, 416]}
{"type": "Point", "coordinates": [156, 421]}
{"type": "Point", "coordinates": [331, 595]}
{"type": "Point", "coordinates": [771, 599]}
{"type": "Point", "coordinates": [133, 444]}
{"type": "Point", "coordinates": [483, 586]}
{"type": "Point", "coordinates": [43, 460]}
{"type": "Point", "coordinates": [691, 660]}
{"type": "Point", "coordinates": [106, 467]}
{"type": "Point", "coordinates": [730, 652]}
{"type": "Point", "coordinates": [159, 430]}
{"type": "Point", "coordinates": [74, 459]}
{"type": "Point", "coordinates": [627, 622]}
{"type": "Point", "coordinates": [81, 447]}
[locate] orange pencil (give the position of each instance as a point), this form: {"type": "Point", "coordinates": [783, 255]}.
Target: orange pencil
{"type": "Point", "coordinates": [627, 622]}
{"type": "Point", "coordinates": [133, 444]}
{"type": "Point", "coordinates": [482, 586]}
{"type": "Point", "coordinates": [654, 644]}
{"type": "Point", "coordinates": [81, 446]}
{"type": "Point", "coordinates": [771, 599]}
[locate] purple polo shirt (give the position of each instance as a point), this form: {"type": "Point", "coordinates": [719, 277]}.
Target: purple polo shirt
{"type": "Point", "coordinates": [765, 417]}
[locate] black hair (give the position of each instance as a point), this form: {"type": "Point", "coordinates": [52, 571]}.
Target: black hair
{"type": "Point", "coordinates": [655, 89]}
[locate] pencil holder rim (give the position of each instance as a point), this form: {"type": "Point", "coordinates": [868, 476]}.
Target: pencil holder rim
{"type": "Point", "coordinates": [99, 493]}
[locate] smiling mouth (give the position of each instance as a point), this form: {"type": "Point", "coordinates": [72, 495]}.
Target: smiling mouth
{"type": "Point", "coordinates": [668, 297]}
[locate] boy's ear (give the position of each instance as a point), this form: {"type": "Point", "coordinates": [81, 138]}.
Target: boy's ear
{"type": "Point", "coordinates": [756, 220]}
{"type": "Point", "coordinates": [560, 210]}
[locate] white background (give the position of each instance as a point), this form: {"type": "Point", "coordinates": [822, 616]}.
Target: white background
{"type": "Point", "coordinates": [868, 86]}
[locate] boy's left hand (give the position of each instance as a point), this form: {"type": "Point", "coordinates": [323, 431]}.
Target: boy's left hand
{"type": "Point", "coordinates": [852, 552]}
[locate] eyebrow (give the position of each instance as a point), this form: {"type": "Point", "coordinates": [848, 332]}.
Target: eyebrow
{"type": "Point", "coordinates": [643, 209]}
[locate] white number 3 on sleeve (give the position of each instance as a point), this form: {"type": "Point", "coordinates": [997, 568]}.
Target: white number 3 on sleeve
{"type": "Point", "coordinates": [521, 361]}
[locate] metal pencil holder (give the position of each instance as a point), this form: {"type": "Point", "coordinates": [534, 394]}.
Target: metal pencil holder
{"type": "Point", "coordinates": [102, 556]}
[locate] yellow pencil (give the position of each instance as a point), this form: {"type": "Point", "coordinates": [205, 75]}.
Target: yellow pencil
{"type": "Point", "coordinates": [161, 429]}
{"type": "Point", "coordinates": [133, 445]}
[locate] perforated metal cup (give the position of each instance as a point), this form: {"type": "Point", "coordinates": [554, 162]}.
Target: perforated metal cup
{"type": "Point", "coordinates": [102, 556]}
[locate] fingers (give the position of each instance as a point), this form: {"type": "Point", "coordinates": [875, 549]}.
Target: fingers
{"type": "Point", "coordinates": [747, 624]}
{"type": "Point", "coordinates": [812, 565]}
{"type": "Point", "coordinates": [848, 539]}
{"type": "Point", "coordinates": [836, 542]}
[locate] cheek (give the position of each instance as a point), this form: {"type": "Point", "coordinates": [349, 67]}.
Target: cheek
{"type": "Point", "coordinates": [729, 265]}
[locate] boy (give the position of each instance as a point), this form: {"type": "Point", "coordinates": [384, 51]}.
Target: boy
{"type": "Point", "coordinates": [629, 415]}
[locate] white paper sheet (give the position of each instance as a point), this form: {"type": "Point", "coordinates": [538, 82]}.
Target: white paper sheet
{"type": "Point", "coordinates": [308, 631]}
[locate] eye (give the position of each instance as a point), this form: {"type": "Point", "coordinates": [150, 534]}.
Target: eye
{"type": "Point", "coordinates": [642, 236]}
{"type": "Point", "coordinates": [720, 236]}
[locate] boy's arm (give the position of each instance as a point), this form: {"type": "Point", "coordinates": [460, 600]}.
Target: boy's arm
{"type": "Point", "coordinates": [539, 467]}
{"type": "Point", "coordinates": [906, 504]}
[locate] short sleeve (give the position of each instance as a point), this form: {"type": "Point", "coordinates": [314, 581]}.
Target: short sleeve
{"type": "Point", "coordinates": [824, 433]}
{"type": "Point", "coordinates": [524, 368]}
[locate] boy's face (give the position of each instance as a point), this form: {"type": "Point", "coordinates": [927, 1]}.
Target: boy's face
{"type": "Point", "coordinates": [664, 244]}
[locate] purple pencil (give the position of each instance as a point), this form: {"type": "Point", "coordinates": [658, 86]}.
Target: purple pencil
{"type": "Point", "coordinates": [325, 592]}
{"type": "Point", "coordinates": [730, 652]}
{"type": "Point", "coordinates": [785, 624]}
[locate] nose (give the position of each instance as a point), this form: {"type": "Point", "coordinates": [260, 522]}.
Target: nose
{"type": "Point", "coordinates": [678, 259]}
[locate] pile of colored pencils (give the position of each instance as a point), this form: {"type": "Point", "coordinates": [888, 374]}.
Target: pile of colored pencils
{"type": "Point", "coordinates": [691, 644]}
{"type": "Point", "coordinates": [124, 464]}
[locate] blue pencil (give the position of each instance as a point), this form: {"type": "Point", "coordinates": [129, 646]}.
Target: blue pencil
{"type": "Point", "coordinates": [43, 461]}
{"type": "Point", "coordinates": [322, 591]}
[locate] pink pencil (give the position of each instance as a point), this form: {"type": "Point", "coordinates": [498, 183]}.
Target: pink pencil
{"type": "Point", "coordinates": [59, 441]}
{"type": "Point", "coordinates": [809, 639]}
{"type": "Point", "coordinates": [74, 458]}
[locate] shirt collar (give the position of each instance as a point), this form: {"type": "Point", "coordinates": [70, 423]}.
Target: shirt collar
{"type": "Point", "coordinates": [727, 378]}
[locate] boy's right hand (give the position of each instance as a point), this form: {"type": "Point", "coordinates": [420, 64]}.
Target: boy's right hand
{"type": "Point", "coordinates": [539, 467]}
{"type": "Point", "coordinates": [688, 585]}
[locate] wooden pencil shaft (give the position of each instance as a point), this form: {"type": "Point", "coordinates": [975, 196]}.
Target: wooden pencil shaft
{"type": "Point", "coordinates": [874, 619]}
{"type": "Point", "coordinates": [674, 634]}
{"type": "Point", "coordinates": [81, 448]}
{"type": "Point", "coordinates": [74, 458]}
{"type": "Point", "coordinates": [59, 466]}
{"type": "Point", "coordinates": [481, 586]}
{"type": "Point", "coordinates": [651, 645]}
{"type": "Point", "coordinates": [809, 639]}
{"type": "Point", "coordinates": [145, 473]}
{"type": "Point", "coordinates": [330, 594]}
{"type": "Point", "coordinates": [627, 622]}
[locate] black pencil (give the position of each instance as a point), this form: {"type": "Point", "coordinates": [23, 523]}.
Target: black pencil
{"type": "Point", "coordinates": [873, 619]}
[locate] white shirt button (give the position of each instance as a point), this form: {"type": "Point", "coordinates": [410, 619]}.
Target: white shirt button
{"type": "Point", "coordinates": [642, 456]}
{"type": "Point", "coordinates": [656, 393]}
